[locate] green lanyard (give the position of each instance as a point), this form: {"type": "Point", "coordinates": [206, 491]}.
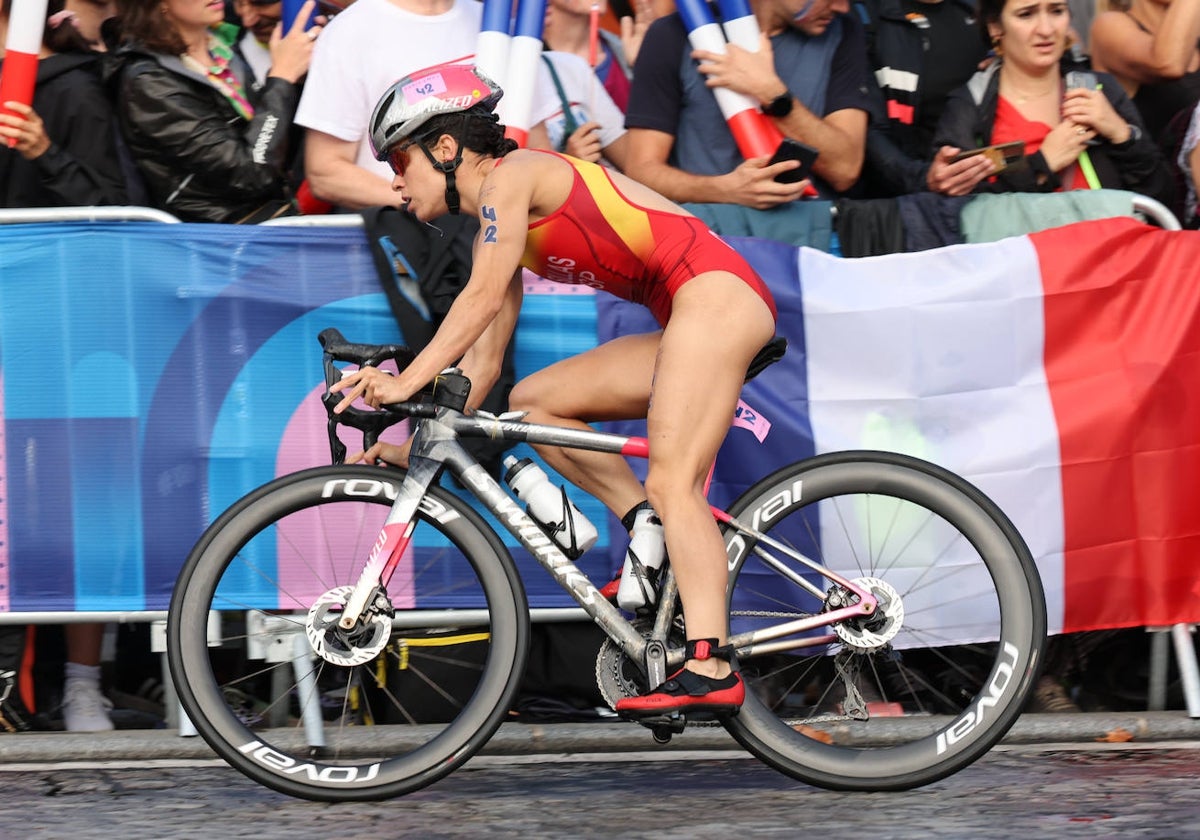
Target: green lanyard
{"type": "Point", "coordinates": [569, 123]}
{"type": "Point", "coordinates": [1089, 171]}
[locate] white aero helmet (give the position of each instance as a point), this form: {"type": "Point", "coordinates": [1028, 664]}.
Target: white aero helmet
{"type": "Point", "coordinates": [414, 100]}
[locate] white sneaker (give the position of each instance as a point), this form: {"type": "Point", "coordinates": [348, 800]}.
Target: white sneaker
{"type": "Point", "coordinates": [85, 709]}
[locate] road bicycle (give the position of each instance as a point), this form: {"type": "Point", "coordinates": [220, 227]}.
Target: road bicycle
{"type": "Point", "coordinates": [887, 617]}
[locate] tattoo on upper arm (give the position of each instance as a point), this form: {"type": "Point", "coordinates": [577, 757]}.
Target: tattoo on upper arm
{"type": "Point", "coordinates": [489, 231]}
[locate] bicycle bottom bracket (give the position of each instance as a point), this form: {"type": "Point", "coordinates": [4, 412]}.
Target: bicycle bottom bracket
{"type": "Point", "coordinates": [355, 646]}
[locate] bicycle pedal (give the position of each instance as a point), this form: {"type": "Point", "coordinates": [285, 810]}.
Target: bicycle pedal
{"type": "Point", "coordinates": [654, 720]}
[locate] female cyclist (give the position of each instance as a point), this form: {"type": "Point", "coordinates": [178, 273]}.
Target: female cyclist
{"type": "Point", "coordinates": [575, 222]}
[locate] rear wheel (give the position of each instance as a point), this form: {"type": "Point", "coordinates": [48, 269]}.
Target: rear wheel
{"type": "Point", "coordinates": [930, 682]}
{"type": "Point", "coordinates": [396, 704]}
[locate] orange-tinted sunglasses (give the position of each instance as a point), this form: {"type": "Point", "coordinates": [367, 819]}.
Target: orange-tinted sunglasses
{"type": "Point", "coordinates": [398, 157]}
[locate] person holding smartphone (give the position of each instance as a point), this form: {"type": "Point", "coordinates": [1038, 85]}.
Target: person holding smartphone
{"type": "Point", "coordinates": [1079, 131]}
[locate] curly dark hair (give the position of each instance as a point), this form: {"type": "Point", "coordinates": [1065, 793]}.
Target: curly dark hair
{"type": "Point", "coordinates": [477, 130]}
{"type": "Point", "coordinates": [143, 22]}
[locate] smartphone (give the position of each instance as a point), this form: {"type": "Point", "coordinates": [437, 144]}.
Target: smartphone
{"type": "Point", "coordinates": [1081, 79]}
{"type": "Point", "coordinates": [791, 149]}
{"type": "Point", "coordinates": [1003, 155]}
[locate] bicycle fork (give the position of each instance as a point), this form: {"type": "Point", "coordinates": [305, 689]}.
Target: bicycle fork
{"type": "Point", "coordinates": [393, 540]}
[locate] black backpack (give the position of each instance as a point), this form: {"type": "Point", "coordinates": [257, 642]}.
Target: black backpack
{"type": "Point", "coordinates": [422, 268]}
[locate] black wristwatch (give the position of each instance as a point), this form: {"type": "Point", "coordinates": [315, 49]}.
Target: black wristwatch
{"type": "Point", "coordinates": [780, 106]}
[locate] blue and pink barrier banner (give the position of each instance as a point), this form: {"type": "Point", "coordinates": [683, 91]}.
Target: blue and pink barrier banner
{"type": "Point", "coordinates": [152, 374]}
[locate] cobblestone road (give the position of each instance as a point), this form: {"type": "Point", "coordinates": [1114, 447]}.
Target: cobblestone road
{"type": "Point", "coordinates": [1011, 793]}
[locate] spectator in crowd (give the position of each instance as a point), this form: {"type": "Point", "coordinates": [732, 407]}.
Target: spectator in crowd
{"type": "Point", "coordinates": [362, 53]}
{"type": "Point", "coordinates": [919, 51]}
{"type": "Point", "coordinates": [65, 151]}
{"type": "Point", "coordinates": [1189, 165]}
{"type": "Point", "coordinates": [810, 75]}
{"type": "Point", "coordinates": [568, 29]}
{"type": "Point", "coordinates": [259, 19]}
{"type": "Point", "coordinates": [90, 16]}
{"type": "Point", "coordinates": [1153, 48]}
{"type": "Point", "coordinates": [587, 124]}
{"type": "Point", "coordinates": [210, 147]}
{"type": "Point", "coordinates": [1023, 96]}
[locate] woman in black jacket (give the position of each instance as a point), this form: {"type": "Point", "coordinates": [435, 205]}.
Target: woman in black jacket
{"type": "Point", "coordinates": [66, 148]}
{"type": "Point", "coordinates": [1077, 132]}
{"type": "Point", "coordinates": [209, 146]}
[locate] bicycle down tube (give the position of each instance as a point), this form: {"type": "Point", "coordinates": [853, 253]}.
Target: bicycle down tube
{"type": "Point", "coordinates": [435, 444]}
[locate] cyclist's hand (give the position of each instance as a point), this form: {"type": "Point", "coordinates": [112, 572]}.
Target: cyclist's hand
{"type": "Point", "coordinates": [375, 386]}
{"type": "Point", "coordinates": [389, 454]}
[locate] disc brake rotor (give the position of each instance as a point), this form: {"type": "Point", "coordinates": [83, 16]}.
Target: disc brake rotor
{"type": "Point", "coordinates": [355, 646]}
{"type": "Point", "coordinates": [874, 632]}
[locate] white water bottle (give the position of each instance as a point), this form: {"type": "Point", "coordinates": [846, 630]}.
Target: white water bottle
{"type": "Point", "coordinates": [549, 506]}
{"type": "Point", "coordinates": [643, 559]}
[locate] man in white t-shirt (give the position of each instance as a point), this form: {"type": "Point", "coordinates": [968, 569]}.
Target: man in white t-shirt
{"type": "Point", "coordinates": [359, 55]}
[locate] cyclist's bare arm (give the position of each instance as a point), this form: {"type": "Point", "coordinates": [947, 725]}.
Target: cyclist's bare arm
{"type": "Point", "coordinates": [482, 363]}
{"type": "Point", "coordinates": [503, 208]}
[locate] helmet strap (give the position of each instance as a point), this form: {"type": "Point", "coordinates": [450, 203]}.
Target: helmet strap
{"type": "Point", "coordinates": [447, 168]}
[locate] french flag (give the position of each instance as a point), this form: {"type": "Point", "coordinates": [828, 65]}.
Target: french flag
{"type": "Point", "coordinates": [1059, 372]}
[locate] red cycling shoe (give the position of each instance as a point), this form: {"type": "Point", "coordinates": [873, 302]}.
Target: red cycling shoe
{"type": "Point", "coordinates": [686, 691]}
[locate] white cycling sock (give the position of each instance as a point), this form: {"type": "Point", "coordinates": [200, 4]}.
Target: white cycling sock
{"type": "Point", "coordinates": [79, 671]}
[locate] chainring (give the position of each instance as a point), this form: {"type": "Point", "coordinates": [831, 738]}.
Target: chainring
{"type": "Point", "coordinates": [618, 676]}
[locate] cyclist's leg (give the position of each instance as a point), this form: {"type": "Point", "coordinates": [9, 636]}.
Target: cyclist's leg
{"type": "Point", "coordinates": [609, 382]}
{"type": "Point", "coordinates": [716, 328]}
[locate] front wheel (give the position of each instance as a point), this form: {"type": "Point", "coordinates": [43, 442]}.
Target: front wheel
{"type": "Point", "coordinates": [936, 677]}
{"type": "Point", "coordinates": [394, 705]}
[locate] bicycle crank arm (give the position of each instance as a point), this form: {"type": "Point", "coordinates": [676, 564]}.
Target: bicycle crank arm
{"type": "Point", "coordinates": [655, 660]}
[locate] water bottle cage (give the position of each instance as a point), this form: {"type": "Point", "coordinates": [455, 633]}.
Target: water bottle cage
{"type": "Point", "coordinates": [647, 577]}
{"type": "Point", "coordinates": [573, 551]}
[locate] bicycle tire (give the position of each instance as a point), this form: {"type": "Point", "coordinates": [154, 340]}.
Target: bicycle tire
{"type": "Point", "coordinates": [265, 561]}
{"type": "Point", "coordinates": [948, 693]}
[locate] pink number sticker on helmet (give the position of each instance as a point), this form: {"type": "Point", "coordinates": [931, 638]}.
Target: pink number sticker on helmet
{"type": "Point", "coordinates": [418, 89]}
